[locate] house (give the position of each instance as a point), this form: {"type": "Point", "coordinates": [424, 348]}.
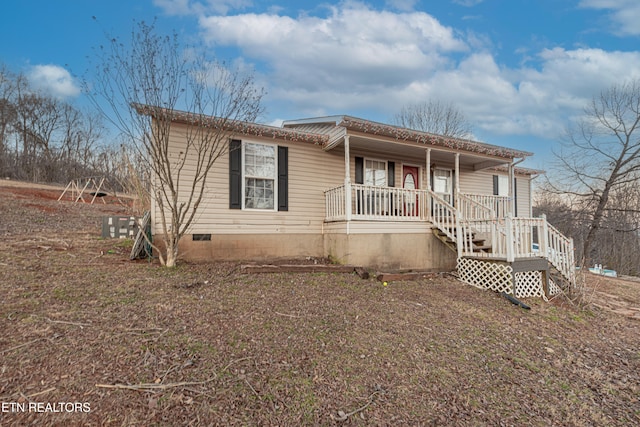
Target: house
{"type": "Point", "coordinates": [372, 194]}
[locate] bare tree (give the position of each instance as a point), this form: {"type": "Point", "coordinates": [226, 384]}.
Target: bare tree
{"type": "Point", "coordinates": [8, 115]}
{"type": "Point", "coordinates": [601, 155]}
{"type": "Point", "coordinates": [39, 118]}
{"type": "Point", "coordinates": [142, 86]}
{"type": "Point", "coordinates": [434, 117]}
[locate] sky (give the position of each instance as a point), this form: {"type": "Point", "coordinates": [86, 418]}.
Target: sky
{"type": "Point", "coordinates": [519, 70]}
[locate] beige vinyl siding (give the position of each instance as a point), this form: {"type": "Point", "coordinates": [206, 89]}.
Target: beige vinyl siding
{"type": "Point", "coordinates": [524, 196]}
{"type": "Point", "coordinates": [481, 182]}
{"type": "Point", "coordinates": [311, 171]}
{"type": "Point", "coordinates": [476, 182]}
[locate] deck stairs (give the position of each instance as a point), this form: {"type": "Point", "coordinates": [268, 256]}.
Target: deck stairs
{"type": "Point", "coordinates": [524, 257]}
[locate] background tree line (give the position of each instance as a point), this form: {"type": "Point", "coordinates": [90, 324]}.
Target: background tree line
{"type": "Point", "coordinates": [616, 244]}
{"type": "Point", "coordinates": [46, 139]}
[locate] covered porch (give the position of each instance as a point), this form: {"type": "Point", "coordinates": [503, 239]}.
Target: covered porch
{"type": "Point", "coordinates": [494, 248]}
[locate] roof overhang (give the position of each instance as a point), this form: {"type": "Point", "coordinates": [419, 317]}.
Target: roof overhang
{"type": "Point", "coordinates": [236, 127]}
{"type": "Point", "coordinates": [384, 138]}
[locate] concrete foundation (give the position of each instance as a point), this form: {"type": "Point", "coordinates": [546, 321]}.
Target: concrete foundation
{"type": "Point", "coordinates": [418, 251]}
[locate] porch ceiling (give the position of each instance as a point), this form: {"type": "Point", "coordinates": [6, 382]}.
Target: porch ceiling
{"type": "Point", "coordinates": [439, 156]}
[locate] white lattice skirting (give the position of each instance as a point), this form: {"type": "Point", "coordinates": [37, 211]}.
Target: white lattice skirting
{"type": "Point", "coordinates": [499, 277]}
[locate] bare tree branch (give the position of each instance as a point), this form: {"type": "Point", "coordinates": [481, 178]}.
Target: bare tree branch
{"type": "Point", "coordinates": [602, 157]}
{"type": "Point", "coordinates": [140, 87]}
{"type": "Point", "coordinates": [435, 117]}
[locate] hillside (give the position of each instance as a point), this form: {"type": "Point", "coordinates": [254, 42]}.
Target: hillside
{"type": "Point", "coordinates": [206, 344]}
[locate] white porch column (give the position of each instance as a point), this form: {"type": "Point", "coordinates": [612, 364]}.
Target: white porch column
{"type": "Point", "coordinates": [347, 181]}
{"type": "Point", "coordinates": [428, 170]}
{"type": "Point", "coordinates": [512, 200]}
{"type": "Point", "coordinates": [461, 237]}
{"type": "Point", "coordinates": [457, 175]}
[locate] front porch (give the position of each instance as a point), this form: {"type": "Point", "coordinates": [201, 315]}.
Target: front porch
{"type": "Point", "coordinates": [494, 250]}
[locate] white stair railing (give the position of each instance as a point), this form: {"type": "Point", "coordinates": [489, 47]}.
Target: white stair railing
{"type": "Point", "coordinates": [559, 250]}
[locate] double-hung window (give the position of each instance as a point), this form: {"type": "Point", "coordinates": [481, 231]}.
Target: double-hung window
{"type": "Point", "coordinates": [502, 184]}
{"type": "Point", "coordinates": [375, 173]}
{"type": "Point", "coordinates": [260, 174]}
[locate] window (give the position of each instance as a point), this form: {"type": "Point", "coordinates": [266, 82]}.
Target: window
{"type": "Point", "coordinates": [258, 176]}
{"type": "Point", "coordinates": [443, 183]}
{"type": "Point", "coordinates": [375, 173]}
{"type": "Point", "coordinates": [501, 185]}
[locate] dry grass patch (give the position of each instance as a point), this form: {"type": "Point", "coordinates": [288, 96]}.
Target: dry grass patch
{"type": "Point", "coordinates": [204, 344]}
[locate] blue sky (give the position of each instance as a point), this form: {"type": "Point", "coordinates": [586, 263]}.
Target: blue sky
{"type": "Point", "coordinates": [520, 70]}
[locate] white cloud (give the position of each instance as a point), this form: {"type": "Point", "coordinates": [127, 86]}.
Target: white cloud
{"type": "Point", "coordinates": [351, 46]}
{"type": "Point", "coordinates": [53, 79]}
{"type": "Point", "coordinates": [625, 14]}
{"type": "Point", "coordinates": [355, 58]}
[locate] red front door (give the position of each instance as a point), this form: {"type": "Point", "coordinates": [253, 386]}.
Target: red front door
{"type": "Point", "coordinates": [410, 181]}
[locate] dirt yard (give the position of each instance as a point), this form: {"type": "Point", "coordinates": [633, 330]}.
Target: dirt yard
{"type": "Point", "coordinates": [90, 338]}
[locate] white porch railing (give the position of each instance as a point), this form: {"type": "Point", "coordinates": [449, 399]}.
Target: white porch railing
{"type": "Point", "coordinates": [498, 205]}
{"type": "Point", "coordinates": [513, 238]}
{"type": "Point", "coordinates": [510, 237]}
{"type": "Point", "coordinates": [558, 249]}
{"type": "Point", "coordinates": [377, 203]}
{"type": "Point", "coordinates": [485, 217]}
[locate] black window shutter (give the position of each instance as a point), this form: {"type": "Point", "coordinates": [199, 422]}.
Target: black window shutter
{"type": "Point", "coordinates": [391, 174]}
{"type": "Point", "coordinates": [359, 170]}
{"type": "Point", "coordinates": [235, 174]}
{"type": "Point", "coordinates": [495, 185]}
{"type": "Point", "coordinates": [283, 178]}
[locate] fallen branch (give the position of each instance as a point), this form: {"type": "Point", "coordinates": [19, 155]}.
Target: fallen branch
{"type": "Point", "coordinates": [154, 386]}
{"type": "Point", "coordinates": [64, 322]}
{"type": "Point", "coordinates": [235, 361]}
{"type": "Point", "coordinates": [41, 392]}
{"type": "Point", "coordinates": [20, 346]}
{"type": "Point", "coordinates": [252, 389]}
{"type": "Point", "coordinates": [341, 416]}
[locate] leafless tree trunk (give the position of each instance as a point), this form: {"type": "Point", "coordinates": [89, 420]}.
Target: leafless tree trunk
{"type": "Point", "coordinates": [7, 115]}
{"type": "Point", "coordinates": [140, 86]}
{"type": "Point", "coordinates": [601, 154]}
{"type": "Point", "coordinates": [434, 117]}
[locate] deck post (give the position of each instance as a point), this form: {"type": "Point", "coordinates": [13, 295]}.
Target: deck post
{"type": "Point", "coordinates": [347, 180]}
{"type": "Point", "coordinates": [544, 239]}
{"type": "Point", "coordinates": [460, 238]}
{"type": "Point", "coordinates": [457, 181]}
{"type": "Point", "coordinates": [508, 223]}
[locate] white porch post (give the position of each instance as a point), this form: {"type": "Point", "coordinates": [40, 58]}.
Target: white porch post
{"type": "Point", "coordinates": [512, 200]}
{"type": "Point", "coordinates": [461, 238]}
{"type": "Point", "coordinates": [543, 238]}
{"type": "Point", "coordinates": [427, 184]}
{"type": "Point", "coordinates": [428, 170]}
{"type": "Point", "coordinates": [347, 181]}
{"type": "Point", "coordinates": [508, 223]}
{"type": "Point", "coordinates": [457, 175]}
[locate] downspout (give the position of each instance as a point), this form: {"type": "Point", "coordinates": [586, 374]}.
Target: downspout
{"type": "Point", "coordinates": [512, 199]}
{"type": "Point", "coordinates": [508, 220]}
